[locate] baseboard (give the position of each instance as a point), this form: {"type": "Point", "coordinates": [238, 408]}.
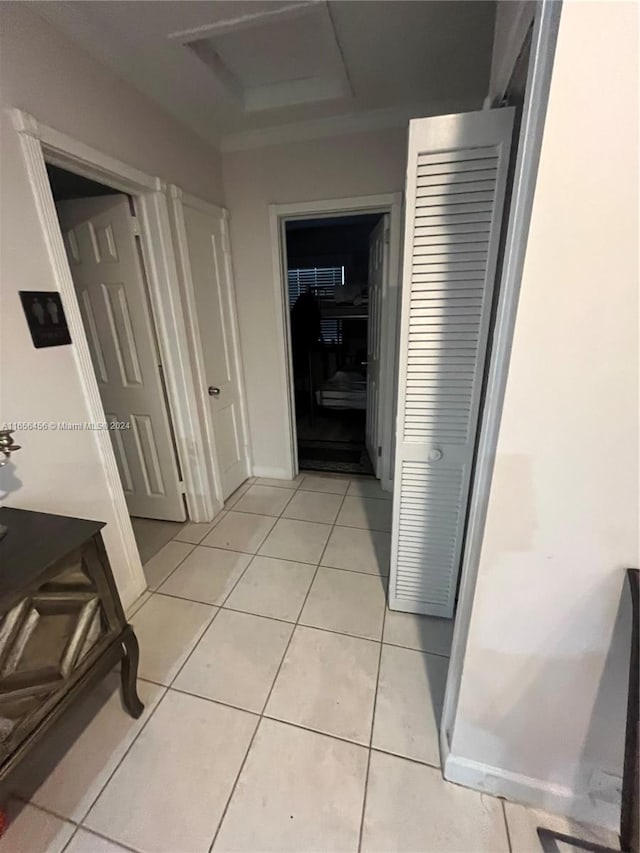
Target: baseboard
{"type": "Point", "coordinates": [274, 473]}
{"type": "Point", "coordinates": [532, 792]}
{"type": "Point", "coordinates": [131, 592]}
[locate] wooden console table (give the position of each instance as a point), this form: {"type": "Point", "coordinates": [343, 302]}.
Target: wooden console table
{"type": "Point", "coordinates": [62, 626]}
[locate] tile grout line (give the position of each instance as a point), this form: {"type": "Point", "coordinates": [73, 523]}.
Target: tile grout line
{"type": "Point", "coordinates": [164, 580]}
{"type": "Point", "coordinates": [162, 696]}
{"type": "Point", "coordinates": [326, 523]}
{"type": "Point", "coordinates": [211, 526]}
{"type": "Point", "coordinates": [287, 559]}
{"type": "Point", "coordinates": [99, 835]}
{"type": "Point", "coordinates": [46, 810]}
{"type": "Point", "coordinates": [506, 825]}
{"type": "Point", "coordinates": [261, 716]}
{"type": "Point", "coordinates": [85, 815]}
{"type": "Point", "coordinates": [373, 718]}
{"type": "Point", "coordinates": [273, 684]}
{"type": "Point", "coordinates": [68, 844]}
{"type": "Point", "coordinates": [294, 625]}
{"type": "Point", "coordinates": [235, 782]}
{"type": "Point", "coordinates": [218, 607]}
{"type": "Point", "coordinates": [264, 716]}
{"type": "Point", "coordinates": [222, 605]}
{"type": "Point", "coordinates": [165, 689]}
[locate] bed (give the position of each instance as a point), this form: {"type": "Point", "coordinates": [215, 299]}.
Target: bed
{"type": "Point", "coordinates": [346, 389]}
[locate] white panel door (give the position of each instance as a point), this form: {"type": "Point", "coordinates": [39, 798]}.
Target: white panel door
{"type": "Point", "coordinates": [378, 281]}
{"type": "Point", "coordinates": [456, 177]}
{"type": "Point", "coordinates": [99, 235]}
{"type": "Point", "coordinates": [210, 269]}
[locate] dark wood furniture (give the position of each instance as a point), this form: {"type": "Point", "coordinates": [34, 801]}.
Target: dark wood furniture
{"type": "Point", "coordinates": [62, 626]}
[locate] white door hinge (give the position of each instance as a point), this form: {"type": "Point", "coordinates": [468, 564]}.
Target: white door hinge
{"type": "Point", "coordinates": [181, 487]}
{"type": "Point", "coordinates": [135, 226]}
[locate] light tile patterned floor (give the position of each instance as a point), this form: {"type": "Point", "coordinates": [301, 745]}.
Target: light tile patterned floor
{"type": "Point", "coordinates": [286, 708]}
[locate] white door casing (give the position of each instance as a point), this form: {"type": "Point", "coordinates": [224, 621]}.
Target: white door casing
{"type": "Point", "coordinates": [378, 282]}
{"type": "Point", "coordinates": [206, 261]}
{"type": "Point", "coordinates": [100, 240]}
{"type": "Point", "coordinates": [456, 178]}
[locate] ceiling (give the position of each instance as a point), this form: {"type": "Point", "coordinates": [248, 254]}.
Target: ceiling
{"type": "Point", "coordinates": [230, 69]}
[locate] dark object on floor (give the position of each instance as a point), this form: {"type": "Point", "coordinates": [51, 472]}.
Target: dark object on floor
{"type": "Point", "coordinates": [339, 457]}
{"type": "Point", "coordinates": [630, 811]}
{"type": "Point", "coordinates": [62, 627]}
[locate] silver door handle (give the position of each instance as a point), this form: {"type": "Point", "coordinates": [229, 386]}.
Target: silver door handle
{"type": "Point", "coordinates": [213, 391]}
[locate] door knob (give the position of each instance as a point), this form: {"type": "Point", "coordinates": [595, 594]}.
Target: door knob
{"type": "Point", "coordinates": [213, 391]}
{"type": "Point", "coordinates": [434, 455]}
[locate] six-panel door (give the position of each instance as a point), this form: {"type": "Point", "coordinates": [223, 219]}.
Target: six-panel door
{"type": "Point", "coordinates": [105, 263]}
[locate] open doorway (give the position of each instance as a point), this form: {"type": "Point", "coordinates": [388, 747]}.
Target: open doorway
{"type": "Point", "coordinates": [102, 240]}
{"type": "Point", "coordinates": [336, 269]}
{"type": "Point", "coordinates": [330, 266]}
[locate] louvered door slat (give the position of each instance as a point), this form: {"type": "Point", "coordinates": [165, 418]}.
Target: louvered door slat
{"type": "Point", "coordinates": [455, 194]}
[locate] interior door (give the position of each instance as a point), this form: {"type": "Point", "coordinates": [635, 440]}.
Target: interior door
{"type": "Point", "coordinates": [210, 270]}
{"type": "Point", "coordinates": [456, 177]}
{"type": "Point", "coordinates": [99, 235]}
{"type": "Point", "coordinates": [378, 277]}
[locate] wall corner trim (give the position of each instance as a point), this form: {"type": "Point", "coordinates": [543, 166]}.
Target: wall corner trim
{"type": "Point", "coordinates": [271, 473]}
{"type": "Point", "coordinates": [24, 122]}
{"type": "Point", "coordinates": [131, 576]}
{"type": "Point", "coordinates": [69, 153]}
{"type": "Point", "coordinates": [531, 792]}
{"type": "Point", "coordinates": [538, 85]}
{"type": "Point", "coordinates": [173, 191]}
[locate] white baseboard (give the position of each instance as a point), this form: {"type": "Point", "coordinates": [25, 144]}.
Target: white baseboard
{"type": "Point", "coordinates": [274, 473]}
{"type": "Point", "coordinates": [532, 792]}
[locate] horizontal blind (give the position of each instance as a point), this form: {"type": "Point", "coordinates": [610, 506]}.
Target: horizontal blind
{"type": "Point", "coordinates": [322, 282]}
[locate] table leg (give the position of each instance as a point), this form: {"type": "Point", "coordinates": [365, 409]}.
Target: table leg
{"type": "Point", "coordinates": [129, 673]}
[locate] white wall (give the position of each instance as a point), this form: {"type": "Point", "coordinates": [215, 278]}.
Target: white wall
{"type": "Point", "coordinates": [543, 690]}
{"type": "Point", "coordinates": [359, 164]}
{"type": "Point", "coordinates": [47, 75]}
{"type": "Point", "coordinates": [513, 19]}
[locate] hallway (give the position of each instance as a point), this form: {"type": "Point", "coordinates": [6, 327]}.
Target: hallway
{"type": "Point", "coordinates": [286, 707]}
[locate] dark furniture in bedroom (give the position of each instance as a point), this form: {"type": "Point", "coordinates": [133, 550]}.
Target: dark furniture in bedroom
{"type": "Point", "coordinates": [62, 626]}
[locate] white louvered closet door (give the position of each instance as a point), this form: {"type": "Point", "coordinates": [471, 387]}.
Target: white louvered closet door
{"type": "Point", "coordinates": [456, 177]}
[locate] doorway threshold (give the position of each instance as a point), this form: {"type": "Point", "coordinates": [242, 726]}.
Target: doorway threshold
{"type": "Point", "coordinates": [341, 457]}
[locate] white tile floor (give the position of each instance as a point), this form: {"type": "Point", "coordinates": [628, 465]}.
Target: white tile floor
{"type": "Point", "coordinates": [286, 708]}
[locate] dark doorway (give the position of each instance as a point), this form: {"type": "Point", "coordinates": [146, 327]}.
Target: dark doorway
{"type": "Point", "coordinates": [328, 282]}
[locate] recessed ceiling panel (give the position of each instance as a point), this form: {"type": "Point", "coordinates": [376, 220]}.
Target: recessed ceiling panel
{"type": "Point", "coordinates": [275, 59]}
{"type": "Point", "coordinates": [276, 51]}
{"type": "Point", "coordinates": [371, 63]}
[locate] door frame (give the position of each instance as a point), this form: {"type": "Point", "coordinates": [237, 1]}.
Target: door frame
{"type": "Point", "coordinates": [178, 198]}
{"type": "Point", "coordinates": [545, 31]}
{"type": "Point", "coordinates": [279, 215]}
{"type": "Point", "coordinates": [41, 144]}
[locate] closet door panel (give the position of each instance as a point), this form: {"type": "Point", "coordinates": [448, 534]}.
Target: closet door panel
{"type": "Point", "coordinates": [456, 179]}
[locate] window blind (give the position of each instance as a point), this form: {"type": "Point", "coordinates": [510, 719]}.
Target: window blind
{"type": "Point", "coordinates": [322, 282]}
